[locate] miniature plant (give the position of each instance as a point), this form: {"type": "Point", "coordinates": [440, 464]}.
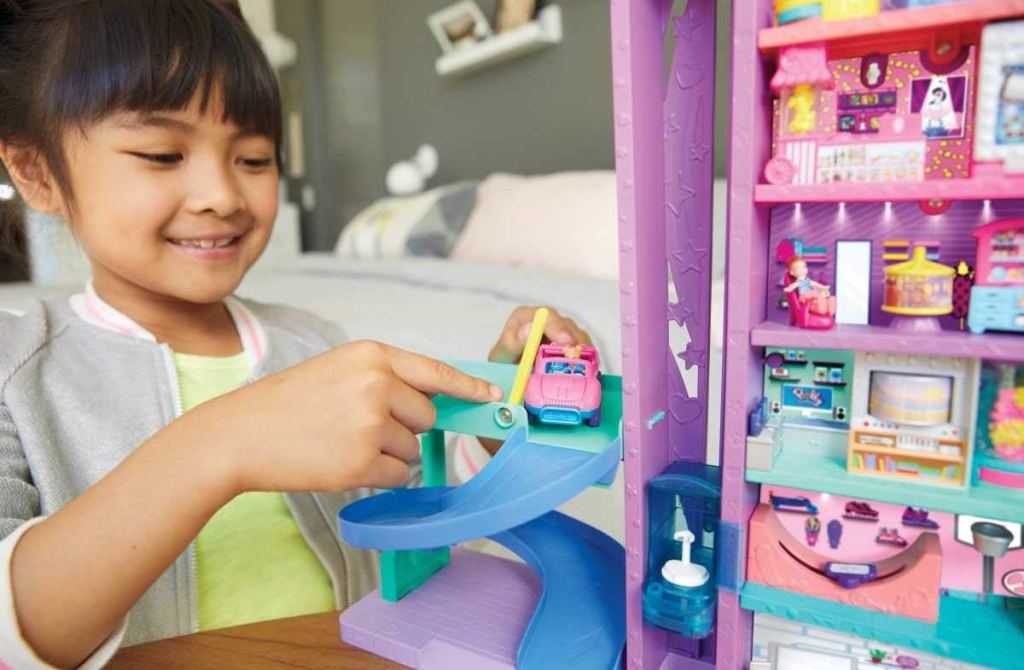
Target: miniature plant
{"type": "Point", "coordinates": [877, 655]}
{"type": "Point", "coordinates": [1006, 430]}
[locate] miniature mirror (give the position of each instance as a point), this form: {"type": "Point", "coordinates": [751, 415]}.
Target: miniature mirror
{"type": "Point", "coordinates": [853, 281]}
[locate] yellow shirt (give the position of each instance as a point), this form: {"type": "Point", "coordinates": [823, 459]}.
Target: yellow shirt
{"type": "Point", "coordinates": [253, 562]}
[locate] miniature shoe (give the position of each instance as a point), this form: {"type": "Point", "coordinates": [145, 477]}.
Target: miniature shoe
{"type": "Point", "coordinates": [860, 511]}
{"type": "Point", "coordinates": [800, 505]}
{"type": "Point", "coordinates": [890, 536]}
{"type": "Point", "coordinates": [918, 518]}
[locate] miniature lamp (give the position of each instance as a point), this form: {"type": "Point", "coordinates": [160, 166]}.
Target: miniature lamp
{"type": "Point", "coordinates": [991, 540]}
{"type": "Point", "coordinates": [683, 572]}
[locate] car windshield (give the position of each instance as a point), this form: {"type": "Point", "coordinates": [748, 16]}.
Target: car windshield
{"type": "Point", "coordinates": [565, 368]}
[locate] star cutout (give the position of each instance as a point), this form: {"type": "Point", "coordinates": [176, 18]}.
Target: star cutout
{"type": "Point", "coordinates": [687, 261]}
{"type": "Point", "coordinates": [694, 356]}
{"type": "Point", "coordinates": [699, 152]}
{"type": "Point", "coordinates": [685, 25]}
{"type": "Point", "coordinates": [697, 254]}
{"type": "Point", "coordinates": [687, 194]}
{"type": "Point", "coordinates": [679, 313]}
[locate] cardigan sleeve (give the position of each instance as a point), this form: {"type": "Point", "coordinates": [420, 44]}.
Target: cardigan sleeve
{"type": "Point", "coordinates": [19, 511]}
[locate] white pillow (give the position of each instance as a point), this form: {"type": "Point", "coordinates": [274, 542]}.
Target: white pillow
{"type": "Point", "coordinates": [381, 230]}
{"type": "Point", "coordinates": [565, 221]}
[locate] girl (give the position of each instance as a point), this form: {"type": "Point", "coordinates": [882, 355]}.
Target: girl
{"type": "Point", "coordinates": [154, 129]}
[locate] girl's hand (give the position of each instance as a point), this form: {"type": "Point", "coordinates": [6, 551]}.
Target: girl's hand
{"type": "Point", "coordinates": [512, 341]}
{"type": "Point", "coordinates": [345, 419]}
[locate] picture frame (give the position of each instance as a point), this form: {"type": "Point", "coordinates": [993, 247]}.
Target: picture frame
{"type": "Point", "coordinates": [514, 14]}
{"type": "Point", "coordinates": [999, 113]}
{"type": "Point", "coordinates": [458, 24]}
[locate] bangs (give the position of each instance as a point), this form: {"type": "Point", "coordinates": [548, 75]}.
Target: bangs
{"type": "Point", "coordinates": [159, 55]}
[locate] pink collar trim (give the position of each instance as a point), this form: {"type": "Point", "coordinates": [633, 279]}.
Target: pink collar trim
{"type": "Point", "coordinates": [92, 309]}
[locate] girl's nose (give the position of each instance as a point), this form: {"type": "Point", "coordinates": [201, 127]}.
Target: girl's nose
{"type": "Point", "coordinates": [216, 191]}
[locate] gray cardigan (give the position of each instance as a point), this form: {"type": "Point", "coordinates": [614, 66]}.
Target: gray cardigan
{"type": "Point", "coordinates": [76, 398]}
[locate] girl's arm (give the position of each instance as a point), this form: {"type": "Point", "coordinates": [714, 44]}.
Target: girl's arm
{"type": "Point", "coordinates": [791, 287]}
{"type": "Point", "coordinates": [77, 573]}
{"type": "Point", "coordinates": [341, 420]}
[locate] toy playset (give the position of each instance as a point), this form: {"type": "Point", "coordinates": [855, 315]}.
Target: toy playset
{"type": "Point", "coordinates": [865, 505]}
{"type": "Point", "coordinates": [875, 154]}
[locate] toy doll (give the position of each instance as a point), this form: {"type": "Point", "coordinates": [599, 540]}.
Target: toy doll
{"type": "Point", "coordinates": [807, 289]}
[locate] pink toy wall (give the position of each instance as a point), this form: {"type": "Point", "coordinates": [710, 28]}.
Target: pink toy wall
{"type": "Point", "coordinates": [961, 564]}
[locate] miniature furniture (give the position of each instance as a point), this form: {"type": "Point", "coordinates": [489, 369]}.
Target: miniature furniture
{"type": "Point", "coordinates": [802, 314]}
{"type": "Point", "coordinates": [997, 298]}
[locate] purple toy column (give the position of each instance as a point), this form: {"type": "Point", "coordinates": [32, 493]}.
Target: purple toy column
{"type": "Point", "coordinates": [746, 277]}
{"type": "Point", "coordinates": [663, 149]}
{"type": "Point", "coordinates": [689, 113]}
{"type": "Point", "coordinates": [637, 62]}
{"type": "Point", "coordinates": [689, 172]}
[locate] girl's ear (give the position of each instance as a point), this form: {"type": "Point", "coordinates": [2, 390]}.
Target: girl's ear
{"type": "Point", "coordinates": [33, 178]}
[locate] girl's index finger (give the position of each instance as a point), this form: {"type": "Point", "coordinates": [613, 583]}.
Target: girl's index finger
{"type": "Point", "coordinates": [558, 331]}
{"type": "Point", "coordinates": [434, 377]}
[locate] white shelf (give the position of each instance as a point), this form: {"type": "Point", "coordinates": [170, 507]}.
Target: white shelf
{"type": "Point", "coordinates": [542, 32]}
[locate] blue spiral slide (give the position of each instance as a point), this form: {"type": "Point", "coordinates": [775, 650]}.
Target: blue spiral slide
{"type": "Point", "coordinates": [580, 620]}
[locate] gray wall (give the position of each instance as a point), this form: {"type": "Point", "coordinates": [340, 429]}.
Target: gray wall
{"type": "Point", "coordinates": [369, 96]}
{"type": "Point", "coordinates": [545, 112]}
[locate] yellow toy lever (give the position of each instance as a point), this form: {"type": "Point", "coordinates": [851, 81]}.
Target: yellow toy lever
{"type": "Point", "coordinates": [540, 320]}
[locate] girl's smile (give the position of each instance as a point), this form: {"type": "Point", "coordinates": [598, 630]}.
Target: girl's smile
{"type": "Point", "coordinates": [211, 247]}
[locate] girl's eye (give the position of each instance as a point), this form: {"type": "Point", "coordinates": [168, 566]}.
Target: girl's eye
{"type": "Point", "coordinates": [160, 159]}
{"type": "Point", "coordinates": [256, 163]}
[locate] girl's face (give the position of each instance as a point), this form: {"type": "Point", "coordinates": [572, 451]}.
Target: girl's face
{"type": "Point", "coordinates": [799, 270]}
{"type": "Point", "coordinates": [175, 204]}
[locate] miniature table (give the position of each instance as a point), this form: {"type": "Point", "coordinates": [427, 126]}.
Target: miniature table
{"type": "Point", "coordinates": [302, 642]}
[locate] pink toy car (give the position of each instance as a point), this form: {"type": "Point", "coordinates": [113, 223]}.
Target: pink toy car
{"type": "Point", "coordinates": [565, 386]}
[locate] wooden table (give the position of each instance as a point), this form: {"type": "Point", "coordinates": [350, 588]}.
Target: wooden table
{"type": "Point", "coordinates": [302, 642]}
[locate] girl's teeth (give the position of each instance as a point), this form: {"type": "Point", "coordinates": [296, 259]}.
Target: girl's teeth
{"type": "Point", "coordinates": [206, 244]}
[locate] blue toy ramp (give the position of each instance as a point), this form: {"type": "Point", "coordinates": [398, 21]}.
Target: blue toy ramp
{"type": "Point", "coordinates": [522, 482]}
{"type": "Point", "coordinates": [580, 620]}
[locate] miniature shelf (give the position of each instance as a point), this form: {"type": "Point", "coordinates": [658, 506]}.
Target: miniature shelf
{"type": "Point", "coordinates": [542, 32]}
{"type": "Point", "coordinates": [924, 455]}
{"type": "Point", "coordinates": [891, 31]}
{"type": "Point", "coordinates": [984, 634]}
{"type": "Point", "coordinates": [990, 346]}
{"type": "Point", "coordinates": [987, 188]}
{"type": "Point", "coordinates": [813, 472]}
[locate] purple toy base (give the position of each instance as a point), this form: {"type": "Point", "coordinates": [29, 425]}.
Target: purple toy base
{"type": "Point", "coordinates": [471, 614]}
{"type": "Point", "coordinates": [916, 324]}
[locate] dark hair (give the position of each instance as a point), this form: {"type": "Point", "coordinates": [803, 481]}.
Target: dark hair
{"type": "Point", "coordinates": [70, 63]}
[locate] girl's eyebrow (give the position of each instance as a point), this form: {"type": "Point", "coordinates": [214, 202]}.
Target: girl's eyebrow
{"type": "Point", "coordinates": [155, 121]}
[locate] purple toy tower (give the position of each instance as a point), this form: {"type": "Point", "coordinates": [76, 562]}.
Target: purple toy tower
{"type": "Point", "coordinates": [664, 139]}
{"type": "Point", "coordinates": [888, 131]}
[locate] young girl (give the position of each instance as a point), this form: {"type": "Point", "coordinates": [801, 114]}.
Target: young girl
{"type": "Point", "coordinates": [138, 468]}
